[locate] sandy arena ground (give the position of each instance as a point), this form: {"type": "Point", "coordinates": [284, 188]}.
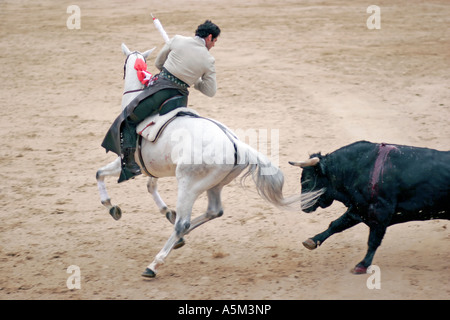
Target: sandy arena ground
{"type": "Point", "coordinates": [312, 70]}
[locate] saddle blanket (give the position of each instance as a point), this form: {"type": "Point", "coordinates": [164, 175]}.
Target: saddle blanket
{"type": "Point", "coordinates": [151, 127]}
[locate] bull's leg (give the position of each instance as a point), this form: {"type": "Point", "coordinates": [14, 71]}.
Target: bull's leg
{"type": "Point", "coordinates": [379, 215]}
{"type": "Point", "coordinates": [342, 223]}
{"type": "Point", "coordinates": [375, 237]}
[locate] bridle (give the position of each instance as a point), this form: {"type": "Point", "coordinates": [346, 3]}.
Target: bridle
{"type": "Point", "coordinates": [125, 71]}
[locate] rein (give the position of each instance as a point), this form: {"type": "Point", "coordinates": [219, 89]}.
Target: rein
{"type": "Point", "coordinates": [131, 91]}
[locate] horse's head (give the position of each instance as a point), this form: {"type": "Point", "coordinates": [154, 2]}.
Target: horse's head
{"type": "Point", "coordinates": [129, 71]}
{"type": "Point", "coordinates": [134, 64]}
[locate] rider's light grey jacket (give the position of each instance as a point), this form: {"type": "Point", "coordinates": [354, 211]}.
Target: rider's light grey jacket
{"type": "Point", "coordinates": [189, 60]}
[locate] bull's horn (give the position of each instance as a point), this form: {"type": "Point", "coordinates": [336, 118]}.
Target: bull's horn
{"type": "Point", "coordinates": [309, 163]}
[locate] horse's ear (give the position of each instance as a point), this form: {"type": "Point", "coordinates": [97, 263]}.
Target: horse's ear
{"type": "Point", "coordinates": [125, 49]}
{"type": "Point", "coordinates": [148, 52]}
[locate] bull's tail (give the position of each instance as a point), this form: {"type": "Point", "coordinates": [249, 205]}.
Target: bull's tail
{"type": "Point", "coordinates": [269, 180]}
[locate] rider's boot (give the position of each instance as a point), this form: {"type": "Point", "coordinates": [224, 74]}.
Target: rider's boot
{"type": "Point", "coordinates": [130, 163]}
{"type": "Point", "coordinates": [129, 166]}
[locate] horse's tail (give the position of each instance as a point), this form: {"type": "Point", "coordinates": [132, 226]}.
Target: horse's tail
{"type": "Point", "coordinates": [269, 180]}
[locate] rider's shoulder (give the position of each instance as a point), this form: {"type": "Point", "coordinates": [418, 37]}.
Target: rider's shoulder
{"type": "Point", "coordinates": [178, 37]}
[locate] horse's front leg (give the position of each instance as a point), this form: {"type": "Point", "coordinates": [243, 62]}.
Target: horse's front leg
{"type": "Point", "coordinates": [152, 187]}
{"type": "Point", "coordinates": [112, 169]}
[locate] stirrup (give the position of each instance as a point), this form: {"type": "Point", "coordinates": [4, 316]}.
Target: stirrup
{"type": "Point", "coordinates": [133, 168]}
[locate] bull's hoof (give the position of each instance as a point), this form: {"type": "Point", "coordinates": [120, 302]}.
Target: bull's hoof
{"type": "Point", "coordinates": [310, 244]}
{"type": "Point", "coordinates": [179, 243]}
{"type": "Point", "coordinates": [359, 269]}
{"type": "Point", "coordinates": [148, 273]}
{"type": "Point", "coordinates": [115, 212]}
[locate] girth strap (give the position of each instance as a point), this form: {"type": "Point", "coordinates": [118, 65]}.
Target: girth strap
{"type": "Point", "coordinates": [141, 159]}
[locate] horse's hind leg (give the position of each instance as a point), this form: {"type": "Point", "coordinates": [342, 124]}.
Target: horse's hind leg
{"type": "Point", "coordinates": [150, 271]}
{"type": "Point", "coordinates": [183, 227]}
{"type": "Point", "coordinates": [111, 169]}
{"type": "Point", "coordinates": [192, 183]}
{"type": "Point", "coordinates": [189, 189]}
{"type": "Point", "coordinates": [213, 211]}
{"type": "Point", "coordinates": [185, 203]}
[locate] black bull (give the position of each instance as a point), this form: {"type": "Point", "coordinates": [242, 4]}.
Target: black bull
{"type": "Point", "coordinates": [380, 185]}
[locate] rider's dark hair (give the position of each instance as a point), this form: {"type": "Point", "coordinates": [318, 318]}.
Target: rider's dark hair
{"type": "Point", "coordinates": [207, 28]}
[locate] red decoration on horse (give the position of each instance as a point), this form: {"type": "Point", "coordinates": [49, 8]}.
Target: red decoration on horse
{"type": "Point", "coordinates": [143, 75]}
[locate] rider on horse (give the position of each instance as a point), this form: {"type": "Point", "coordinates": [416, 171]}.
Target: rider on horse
{"type": "Point", "coordinates": [184, 61]}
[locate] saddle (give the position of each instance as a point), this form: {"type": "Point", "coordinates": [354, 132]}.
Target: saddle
{"type": "Point", "coordinates": [152, 127]}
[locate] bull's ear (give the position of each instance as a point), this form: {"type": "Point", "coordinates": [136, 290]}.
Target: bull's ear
{"type": "Point", "coordinates": [322, 167]}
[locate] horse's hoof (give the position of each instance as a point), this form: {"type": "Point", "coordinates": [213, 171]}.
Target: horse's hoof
{"type": "Point", "coordinates": [148, 273]}
{"type": "Point", "coordinates": [359, 269]}
{"type": "Point", "coordinates": [309, 244]}
{"type": "Point", "coordinates": [115, 212]}
{"type": "Point", "coordinates": [171, 216]}
{"type": "Point", "coordinates": [179, 243]}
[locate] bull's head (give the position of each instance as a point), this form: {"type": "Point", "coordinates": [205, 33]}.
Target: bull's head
{"type": "Point", "coordinates": [314, 182]}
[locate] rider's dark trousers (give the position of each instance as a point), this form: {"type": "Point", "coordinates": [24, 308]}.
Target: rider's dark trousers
{"type": "Point", "coordinates": [145, 108]}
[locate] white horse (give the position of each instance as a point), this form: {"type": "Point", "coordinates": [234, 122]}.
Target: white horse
{"type": "Point", "coordinates": [203, 155]}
